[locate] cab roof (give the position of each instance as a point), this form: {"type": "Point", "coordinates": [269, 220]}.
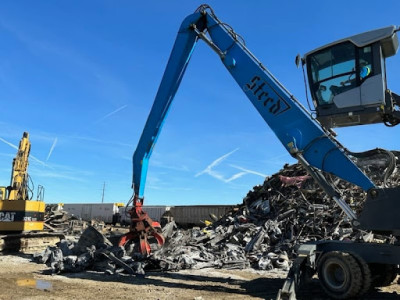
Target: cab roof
{"type": "Point", "coordinates": [387, 37]}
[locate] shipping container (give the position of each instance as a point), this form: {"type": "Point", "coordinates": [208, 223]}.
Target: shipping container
{"type": "Point", "coordinates": [186, 215]}
{"type": "Point", "coordinates": [111, 213]}
{"type": "Point", "coordinates": [155, 213]}
{"type": "Point", "coordinates": [105, 212]}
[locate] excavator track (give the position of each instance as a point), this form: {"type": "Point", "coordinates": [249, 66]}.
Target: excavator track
{"type": "Point", "coordinates": [28, 243]}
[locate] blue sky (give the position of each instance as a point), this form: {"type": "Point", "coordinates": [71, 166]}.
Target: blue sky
{"type": "Point", "coordinates": [81, 76]}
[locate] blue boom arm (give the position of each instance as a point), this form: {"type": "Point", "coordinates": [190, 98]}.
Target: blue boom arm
{"type": "Point", "coordinates": [299, 133]}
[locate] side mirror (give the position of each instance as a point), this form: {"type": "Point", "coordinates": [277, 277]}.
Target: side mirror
{"type": "Point", "coordinates": [298, 60]}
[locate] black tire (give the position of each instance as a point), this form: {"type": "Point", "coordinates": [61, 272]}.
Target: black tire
{"type": "Point", "coordinates": [366, 275]}
{"type": "Point", "coordinates": [339, 274]}
{"type": "Point", "coordinates": [382, 275]}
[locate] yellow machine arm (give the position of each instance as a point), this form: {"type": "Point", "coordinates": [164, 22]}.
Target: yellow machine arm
{"type": "Point", "coordinates": [18, 189]}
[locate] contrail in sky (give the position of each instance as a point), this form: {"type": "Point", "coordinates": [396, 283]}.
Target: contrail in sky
{"type": "Point", "coordinates": [209, 170]}
{"type": "Point", "coordinates": [249, 171]}
{"type": "Point", "coordinates": [215, 163]}
{"type": "Point", "coordinates": [16, 147]}
{"type": "Point", "coordinates": [51, 149]}
{"type": "Point", "coordinates": [111, 113]}
{"type": "Point", "coordinates": [8, 143]}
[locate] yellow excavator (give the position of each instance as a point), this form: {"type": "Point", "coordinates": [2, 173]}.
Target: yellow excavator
{"type": "Point", "coordinates": [21, 218]}
{"type": "Point", "coordinates": [18, 212]}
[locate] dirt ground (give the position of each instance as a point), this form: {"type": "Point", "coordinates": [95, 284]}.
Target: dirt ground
{"type": "Point", "coordinates": [22, 279]}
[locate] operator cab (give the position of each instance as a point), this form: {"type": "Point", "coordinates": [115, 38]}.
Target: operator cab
{"type": "Point", "coordinates": [347, 80]}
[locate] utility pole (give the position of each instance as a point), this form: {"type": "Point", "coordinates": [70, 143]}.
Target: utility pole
{"type": "Point", "coordinates": [102, 197]}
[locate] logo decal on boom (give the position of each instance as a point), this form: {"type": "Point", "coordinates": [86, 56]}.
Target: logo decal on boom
{"type": "Point", "coordinates": [256, 86]}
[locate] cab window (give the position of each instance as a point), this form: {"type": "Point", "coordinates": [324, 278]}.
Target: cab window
{"type": "Point", "coordinates": [337, 69]}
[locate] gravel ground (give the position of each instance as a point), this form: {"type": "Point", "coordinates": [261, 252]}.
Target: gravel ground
{"type": "Point", "coordinates": [22, 279]}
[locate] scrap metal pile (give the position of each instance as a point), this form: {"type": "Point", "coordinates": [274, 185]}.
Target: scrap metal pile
{"type": "Point", "coordinates": [56, 220]}
{"type": "Point", "coordinates": [288, 209]}
{"type": "Point", "coordinates": [60, 221]}
{"type": "Point", "coordinates": [92, 251]}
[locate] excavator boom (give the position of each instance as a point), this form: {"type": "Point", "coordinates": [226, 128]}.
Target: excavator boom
{"type": "Point", "coordinates": [292, 124]}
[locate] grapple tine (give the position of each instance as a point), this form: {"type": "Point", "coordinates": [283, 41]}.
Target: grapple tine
{"type": "Point", "coordinates": [144, 245]}
{"type": "Point", "coordinates": [159, 237]}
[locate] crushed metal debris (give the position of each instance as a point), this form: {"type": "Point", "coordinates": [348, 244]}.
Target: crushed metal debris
{"type": "Point", "coordinates": [288, 209]}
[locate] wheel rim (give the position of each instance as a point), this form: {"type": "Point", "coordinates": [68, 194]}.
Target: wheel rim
{"type": "Point", "coordinates": [335, 275]}
{"type": "Point", "coordinates": [340, 274]}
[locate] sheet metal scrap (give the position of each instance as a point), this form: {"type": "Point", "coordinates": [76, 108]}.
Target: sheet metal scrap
{"type": "Point", "coordinates": [93, 251]}
{"type": "Point", "coordinates": [60, 221]}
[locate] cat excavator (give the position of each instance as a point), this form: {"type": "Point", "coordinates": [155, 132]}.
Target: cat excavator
{"type": "Point", "coordinates": [21, 217]}
{"type": "Point", "coordinates": [347, 80]}
{"type": "Point", "coordinates": [18, 212]}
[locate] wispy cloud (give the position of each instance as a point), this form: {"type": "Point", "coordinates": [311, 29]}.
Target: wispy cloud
{"type": "Point", "coordinates": [51, 149]}
{"type": "Point", "coordinates": [167, 188]}
{"type": "Point", "coordinates": [278, 159]}
{"type": "Point", "coordinates": [59, 171]}
{"type": "Point", "coordinates": [94, 140]}
{"type": "Point", "coordinates": [162, 165]}
{"type": "Point", "coordinates": [42, 43]}
{"type": "Point", "coordinates": [59, 175]}
{"type": "Point", "coordinates": [154, 182]}
{"type": "Point", "coordinates": [110, 114]}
